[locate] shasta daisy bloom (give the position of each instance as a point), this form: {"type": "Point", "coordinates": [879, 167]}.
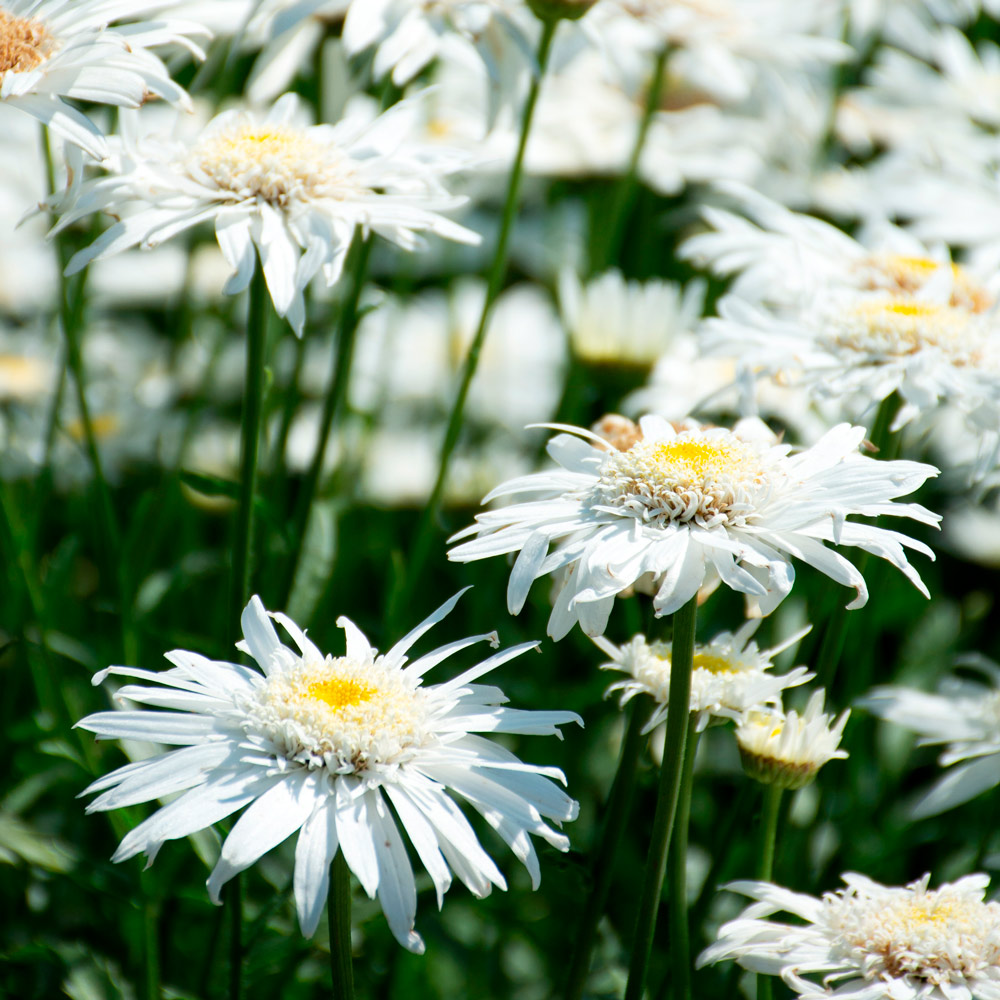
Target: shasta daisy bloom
{"type": "Point", "coordinates": [788, 750]}
{"type": "Point", "coordinates": [290, 193]}
{"type": "Point", "coordinates": [324, 746]}
{"type": "Point", "coordinates": [965, 715]}
{"type": "Point", "coordinates": [687, 507]}
{"type": "Point", "coordinates": [730, 674]}
{"type": "Point", "coordinates": [53, 51]}
{"type": "Point", "coordinates": [869, 941]}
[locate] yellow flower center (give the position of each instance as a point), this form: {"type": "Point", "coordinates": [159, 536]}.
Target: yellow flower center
{"type": "Point", "coordinates": [906, 275]}
{"type": "Point", "coordinates": [104, 425]}
{"type": "Point", "coordinates": [339, 713]}
{"type": "Point", "coordinates": [705, 479]}
{"type": "Point", "coordinates": [713, 664]}
{"type": "Point", "coordinates": [24, 43]}
{"type": "Point", "coordinates": [22, 377]}
{"type": "Point", "coordinates": [278, 164]}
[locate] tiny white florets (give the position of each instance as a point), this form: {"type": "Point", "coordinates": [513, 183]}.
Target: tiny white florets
{"type": "Point", "coordinates": [939, 936]}
{"type": "Point", "coordinates": [276, 163]}
{"type": "Point", "coordinates": [343, 715]}
{"type": "Point", "coordinates": [705, 479]}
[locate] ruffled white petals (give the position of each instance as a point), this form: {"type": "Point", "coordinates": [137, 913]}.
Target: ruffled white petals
{"type": "Point", "coordinates": [270, 819]}
{"type": "Point", "coordinates": [314, 852]}
{"type": "Point", "coordinates": [321, 745]}
{"type": "Point", "coordinates": [683, 509]}
{"type": "Point", "coordinates": [288, 195]}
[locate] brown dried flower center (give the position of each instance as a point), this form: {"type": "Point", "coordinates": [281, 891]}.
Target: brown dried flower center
{"type": "Point", "coordinates": [24, 43]}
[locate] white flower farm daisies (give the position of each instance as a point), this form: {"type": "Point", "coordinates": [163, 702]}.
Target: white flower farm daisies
{"type": "Point", "coordinates": [870, 941]}
{"type": "Point", "coordinates": [295, 193]}
{"type": "Point", "coordinates": [58, 49]}
{"type": "Point", "coordinates": [690, 506]}
{"type": "Point", "coordinates": [324, 745]}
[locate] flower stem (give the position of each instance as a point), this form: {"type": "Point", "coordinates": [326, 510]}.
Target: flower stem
{"type": "Point", "coordinates": [681, 661]}
{"type": "Point", "coordinates": [498, 273]}
{"type": "Point", "coordinates": [616, 813]}
{"type": "Point", "coordinates": [765, 864]}
{"type": "Point", "coordinates": [339, 908]}
{"type": "Point", "coordinates": [680, 944]}
{"type": "Point", "coordinates": [253, 406]}
{"type": "Point", "coordinates": [333, 404]}
{"type": "Point", "coordinates": [239, 585]}
{"type": "Point", "coordinates": [624, 196]}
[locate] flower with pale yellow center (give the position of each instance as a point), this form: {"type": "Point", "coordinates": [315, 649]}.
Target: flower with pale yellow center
{"type": "Point", "coordinates": [322, 746]}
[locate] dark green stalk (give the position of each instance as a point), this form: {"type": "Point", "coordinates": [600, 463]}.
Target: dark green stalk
{"type": "Point", "coordinates": [239, 587]}
{"type": "Point", "coordinates": [765, 864]}
{"type": "Point", "coordinates": [339, 909]}
{"type": "Point", "coordinates": [624, 197]}
{"type": "Point", "coordinates": [333, 404]}
{"type": "Point", "coordinates": [680, 934]}
{"type": "Point", "coordinates": [151, 948]}
{"type": "Point", "coordinates": [681, 662]}
{"type": "Point", "coordinates": [498, 273]}
{"type": "Point", "coordinates": [616, 813]}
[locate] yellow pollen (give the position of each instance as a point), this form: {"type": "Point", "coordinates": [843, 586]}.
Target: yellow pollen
{"type": "Point", "coordinates": [696, 460]}
{"type": "Point", "coordinates": [713, 664]}
{"type": "Point", "coordinates": [341, 692]}
{"type": "Point", "coordinates": [906, 275]}
{"type": "Point", "coordinates": [24, 43]}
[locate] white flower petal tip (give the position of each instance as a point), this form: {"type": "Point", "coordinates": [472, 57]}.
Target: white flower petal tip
{"type": "Point", "coordinates": [676, 511]}
{"type": "Point", "coordinates": [316, 747]}
{"type": "Point", "coordinates": [872, 940]}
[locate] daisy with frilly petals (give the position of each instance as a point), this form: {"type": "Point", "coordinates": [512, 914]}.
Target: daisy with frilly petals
{"type": "Point", "coordinates": [323, 746]}
{"type": "Point", "coordinates": [869, 941]}
{"type": "Point", "coordinates": [274, 187]}
{"type": "Point", "coordinates": [788, 750]}
{"type": "Point", "coordinates": [58, 49]}
{"type": "Point", "coordinates": [964, 714]}
{"type": "Point", "coordinates": [729, 675]}
{"type": "Point", "coordinates": [689, 506]}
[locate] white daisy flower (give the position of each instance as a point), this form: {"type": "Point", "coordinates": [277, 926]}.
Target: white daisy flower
{"type": "Point", "coordinates": [788, 750]}
{"type": "Point", "coordinates": [296, 193]}
{"type": "Point", "coordinates": [323, 746]}
{"type": "Point", "coordinates": [964, 714]}
{"type": "Point", "coordinates": [690, 505]}
{"type": "Point", "coordinates": [869, 941]}
{"type": "Point", "coordinates": [730, 674]}
{"type": "Point", "coordinates": [54, 51]}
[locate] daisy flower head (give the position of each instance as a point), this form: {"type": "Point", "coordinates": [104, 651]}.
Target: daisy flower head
{"type": "Point", "coordinates": [788, 750]}
{"type": "Point", "coordinates": [276, 188]}
{"type": "Point", "coordinates": [730, 674]}
{"type": "Point", "coordinates": [685, 506]}
{"type": "Point", "coordinates": [56, 51]}
{"type": "Point", "coordinates": [965, 715]}
{"type": "Point", "coordinates": [323, 746]}
{"type": "Point", "coordinates": [869, 941]}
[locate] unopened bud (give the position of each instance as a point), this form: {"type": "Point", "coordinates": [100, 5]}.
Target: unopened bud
{"type": "Point", "coordinates": [555, 10]}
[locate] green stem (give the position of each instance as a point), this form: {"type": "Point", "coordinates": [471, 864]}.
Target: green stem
{"type": "Point", "coordinates": [680, 943]}
{"type": "Point", "coordinates": [616, 813]}
{"type": "Point", "coordinates": [339, 908]}
{"type": "Point", "coordinates": [333, 404]}
{"type": "Point", "coordinates": [498, 273]}
{"type": "Point", "coordinates": [768, 832]}
{"type": "Point", "coordinates": [624, 197]}
{"type": "Point", "coordinates": [253, 406]}
{"type": "Point", "coordinates": [239, 587]}
{"type": "Point", "coordinates": [681, 661]}
{"type": "Point", "coordinates": [151, 946]}
{"type": "Point", "coordinates": [765, 864]}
